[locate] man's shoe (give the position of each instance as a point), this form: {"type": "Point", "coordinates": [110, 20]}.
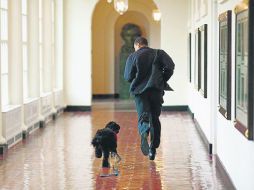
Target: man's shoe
{"type": "Point", "coordinates": [98, 152]}
{"type": "Point", "coordinates": [105, 163]}
{"type": "Point", "coordinates": [152, 152]}
{"type": "Point", "coordinates": [144, 144]}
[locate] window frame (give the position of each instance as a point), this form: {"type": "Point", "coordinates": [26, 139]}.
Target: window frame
{"type": "Point", "coordinates": [26, 91]}
{"type": "Point", "coordinates": [4, 40]}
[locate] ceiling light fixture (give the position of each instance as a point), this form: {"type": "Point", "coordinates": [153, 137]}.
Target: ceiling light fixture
{"type": "Point", "coordinates": [121, 6]}
{"type": "Point", "coordinates": [156, 15]}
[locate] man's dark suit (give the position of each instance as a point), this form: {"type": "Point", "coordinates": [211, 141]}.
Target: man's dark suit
{"type": "Point", "coordinates": [148, 71]}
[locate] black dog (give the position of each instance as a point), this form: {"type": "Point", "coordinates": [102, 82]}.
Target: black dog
{"type": "Point", "coordinates": [105, 141]}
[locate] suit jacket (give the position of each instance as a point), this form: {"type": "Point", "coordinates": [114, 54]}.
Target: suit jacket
{"type": "Point", "coordinates": [148, 68]}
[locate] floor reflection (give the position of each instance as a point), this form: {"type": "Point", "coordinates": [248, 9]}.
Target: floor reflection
{"type": "Point", "coordinates": [153, 181]}
{"type": "Point", "coordinates": [60, 156]}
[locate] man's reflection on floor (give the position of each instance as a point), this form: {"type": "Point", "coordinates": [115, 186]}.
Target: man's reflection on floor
{"type": "Point", "coordinates": [152, 181]}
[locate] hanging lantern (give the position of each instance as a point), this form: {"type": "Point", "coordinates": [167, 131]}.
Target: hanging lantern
{"type": "Point", "coordinates": [156, 15]}
{"type": "Point", "coordinates": [121, 6]}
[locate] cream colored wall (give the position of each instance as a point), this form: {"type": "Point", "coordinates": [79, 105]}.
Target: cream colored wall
{"type": "Point", "coordinates": [233, 149]}
{"type": "Point", "coordinates": [106, 24]}
{"type": "Point", "coordinates": [145, 7]}
{"type": "Point", "coordinates": [204, 119]}
{"type": "Point", "coordinates": [174, 42]}
{"type": "Point", "coordinates": [102, 46]}
{"type": "Point", "coordinates": [77, 51]}
{"type": "Point", "coordinates": [78, 45]}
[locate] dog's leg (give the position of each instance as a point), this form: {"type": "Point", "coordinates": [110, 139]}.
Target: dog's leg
{"type": "Point", "coordinates": [115, 159]}
{"type": "Point", "coordinates": [105, 163]}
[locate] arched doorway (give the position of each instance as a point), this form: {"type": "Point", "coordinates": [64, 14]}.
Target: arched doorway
{"type": "Point", "coordinates": [106, 41]}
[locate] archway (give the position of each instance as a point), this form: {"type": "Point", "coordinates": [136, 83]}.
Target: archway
{"type": "Point", "coordinates": [106, 24]}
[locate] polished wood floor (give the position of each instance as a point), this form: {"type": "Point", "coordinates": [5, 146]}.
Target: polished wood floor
{"type": "Point", "coordinates": [60, 156]}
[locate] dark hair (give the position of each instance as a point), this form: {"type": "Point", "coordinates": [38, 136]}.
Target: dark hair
{"type": "Point", "coordinates": [141, 41]}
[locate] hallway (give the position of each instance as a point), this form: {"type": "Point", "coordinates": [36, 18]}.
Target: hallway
{"type": "Point", "coordinates": [60, 156]}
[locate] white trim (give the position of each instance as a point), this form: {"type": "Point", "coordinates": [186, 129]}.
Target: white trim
{"type": "Point", "coordinates": [45, 94]}
{"type": "Point", "coordinates": [29, 100]}
{"type": "Point", "coordinates": [57, 89]}
{"type": "Point", "coordinates": [8, 108]}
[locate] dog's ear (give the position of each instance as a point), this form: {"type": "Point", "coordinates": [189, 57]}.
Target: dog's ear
{"type": "Point", "coordinates": [113, 126]}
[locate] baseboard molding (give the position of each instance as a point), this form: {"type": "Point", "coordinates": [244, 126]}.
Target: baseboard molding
{"type": "Point", "coordinates": [174, 108]}
{"type": "Point", "coordinates": [105, 96]}
{"type": "Point", "coordinates": [208, 145]}
{"type": "Point", "coordinates": [190, 112]}
{"type": "Point", "coordinates": [77, 108]}
{"type": "Point", "coordinates": [224, 173]}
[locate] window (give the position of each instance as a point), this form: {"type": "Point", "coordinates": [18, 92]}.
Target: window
{"type": "Point", "coordinates": [4, 51]}
{"type": "Point", "coordinates": [53, 41]}
{"type": "Point", "coordinates": [24, 49]}
{"type": "Point", "coordinates": [41, 44]}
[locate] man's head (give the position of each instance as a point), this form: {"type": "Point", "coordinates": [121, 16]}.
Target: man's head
{"type": "Point", "coordinates": [140, 42]}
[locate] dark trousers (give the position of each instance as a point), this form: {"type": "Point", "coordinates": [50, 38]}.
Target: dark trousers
{"type": "Point", "coordinates": [148, 106]}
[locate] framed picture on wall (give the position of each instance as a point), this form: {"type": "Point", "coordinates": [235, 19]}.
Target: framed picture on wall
{"type": "Point", "coordinates": [203, 60]}
{"type": "Point", "coordinates": [197, 60]}
{"type": "Point", "coordinates": [225, 64]}
{"type": "Point", "coordinates": [244, 68]}
{"type": "Point", "coordinates": [189, 56]}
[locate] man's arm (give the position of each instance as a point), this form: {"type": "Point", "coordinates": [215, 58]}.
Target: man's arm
{"type": "Point", "coordinates": [168, 66]}
{"type": "Point", "coordinates": [130, 69]}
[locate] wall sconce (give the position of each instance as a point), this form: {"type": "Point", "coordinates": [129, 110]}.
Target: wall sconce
{"type": "Point", "coordinates": [156, 15]}
{"type": "Point", "coordinates": [121, 6]}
